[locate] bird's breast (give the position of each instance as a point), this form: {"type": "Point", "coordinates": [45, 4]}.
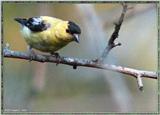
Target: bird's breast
{"type": "Point", "coordinates": [46, 41]}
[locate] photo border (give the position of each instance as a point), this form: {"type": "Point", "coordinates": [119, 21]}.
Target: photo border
{"type": "Point", "coordinates": [75, 2]}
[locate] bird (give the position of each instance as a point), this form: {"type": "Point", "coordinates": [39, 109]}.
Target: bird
{"type": "Point", "coordinates": [48, 34]}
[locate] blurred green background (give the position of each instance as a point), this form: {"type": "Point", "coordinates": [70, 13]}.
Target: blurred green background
{"type": "Point", "coordinates": [45, 87]}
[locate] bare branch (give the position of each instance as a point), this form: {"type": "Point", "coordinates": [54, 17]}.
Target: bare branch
{"type": "Point", "coordinates": [111, 43]}
{"type": "Point", "coordinates": [75, 62]}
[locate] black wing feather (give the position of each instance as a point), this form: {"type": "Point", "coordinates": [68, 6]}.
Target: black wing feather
{"type": "Point", "coordinates": [36, 24]}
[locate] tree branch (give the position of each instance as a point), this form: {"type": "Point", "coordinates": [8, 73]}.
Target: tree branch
{"type": "Point", "coordinates": [78, 62]}
{"type": "Point", "coordinates": [138, 74]}
{"type": "Point", "coordinates": [111, 43]}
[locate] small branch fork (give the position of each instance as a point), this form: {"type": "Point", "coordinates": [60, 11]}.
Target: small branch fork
{"type": "Point", "coordinates": [111, 43]}
{"type": "Point", "coordinates": [75, 62]}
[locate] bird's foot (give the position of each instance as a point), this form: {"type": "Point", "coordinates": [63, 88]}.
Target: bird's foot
{"type": "Point", "coordinates": [32, 55]}
{"type": "Point", "coordinates": [57, 57]}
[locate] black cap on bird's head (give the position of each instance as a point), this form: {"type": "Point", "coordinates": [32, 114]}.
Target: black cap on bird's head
{"type": "Point", "coordinates": [75, 30]}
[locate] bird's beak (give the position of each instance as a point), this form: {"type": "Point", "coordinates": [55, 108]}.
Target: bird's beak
{"type": "Point", "coordinates": [20, 20]}
{"type": "Point", "coordinates": [76, 37]}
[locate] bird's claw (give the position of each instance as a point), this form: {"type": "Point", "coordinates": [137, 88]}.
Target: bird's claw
{"type": "Point", "coordinates": [57, 57]}
{"type": "Point", "coordinates": [31, 54]}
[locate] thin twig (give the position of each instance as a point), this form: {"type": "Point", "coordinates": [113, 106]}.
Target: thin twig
{"type": "Point", "coordinates": [75, 62]}
{"type": "Point", "coordinates": [140, 83]}
{"type": "Point", "coordinates": [111, 43]}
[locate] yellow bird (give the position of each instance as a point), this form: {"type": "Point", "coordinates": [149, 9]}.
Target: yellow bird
{"type": "Point", "coordinates": [48, 34]}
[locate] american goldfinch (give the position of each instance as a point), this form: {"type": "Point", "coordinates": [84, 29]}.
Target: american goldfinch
{"type": "Point", "coordinates": [48, 34]}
